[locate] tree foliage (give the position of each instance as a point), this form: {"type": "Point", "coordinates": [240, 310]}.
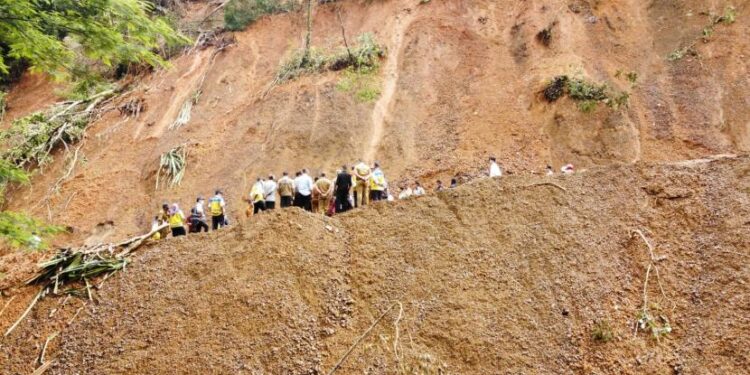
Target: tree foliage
{"type": "Point", "coordinates": [15, 228]}
{"type": "Point", "coordinates": [50, 34]}
{"type": "Point", "coordinates": [238, 14]}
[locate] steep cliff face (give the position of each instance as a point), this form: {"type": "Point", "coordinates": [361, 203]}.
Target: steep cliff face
{"type": "Point", "coordinates": [461, 80]}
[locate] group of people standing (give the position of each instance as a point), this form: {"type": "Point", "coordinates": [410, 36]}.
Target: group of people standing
{"type": "Point", "coordinates": [320, 194]}
{"type": "Point", "coordinates": [351, 188]}
{"type": "Point", "coordinates": [198, 220]}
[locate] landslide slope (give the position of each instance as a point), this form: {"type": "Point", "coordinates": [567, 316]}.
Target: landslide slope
{"type": "Point", "coordinates": [504, 276]}
{"type": "Point", "coordinates": [461, 80]}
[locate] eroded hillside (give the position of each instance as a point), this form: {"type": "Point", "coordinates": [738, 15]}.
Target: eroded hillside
{"type": "Point", "coordinates": [460, 80]}
{"type": "Point", "coordinates": [516, 275]}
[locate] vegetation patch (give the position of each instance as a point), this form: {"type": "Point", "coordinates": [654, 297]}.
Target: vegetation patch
{"type": "Point", "coordinates": [172, 166]}
{"type": "Point", "coordinates": [728, 18]}
{"type": "Point", "coordinates": [238, 14]}
{"type": "Point", "coordinates": [30, 140]}
{"type": "Point", "coordinates": [587, 94]}
{"type": "Point", "coordinates": [602, 331]}
{"type": "Point", "coordinates": [363, 83]}
{"type": "Point", "coordinates": [366, 55]}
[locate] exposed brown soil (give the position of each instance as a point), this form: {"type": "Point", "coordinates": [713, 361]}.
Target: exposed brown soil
{"type": "Point", "coordinates": [496, 277]}
{"type": "Point", "coordinates": [461, 81]}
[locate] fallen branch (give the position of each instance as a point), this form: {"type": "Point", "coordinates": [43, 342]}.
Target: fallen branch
{"type": "Point", "coordinates": [547, 184]}
{"type": "Point", "coordinates": [76, 314]}
{"type": "Point", "coordinates": [397, 336]}
{"type": "Point", "coordinates": [646, 320]}
{"type": "Point", "coordinates": [28, 309]}
{"type": "Point", "coordinates": [653, 260]}
{"type": "Point", "coordinates": [43, 368]}
{"type": "Point", "coordinates": [44, 348]}
{"type": "Point", "coordinates": [6, 305]}
{"type": "Point", "coordinates": [362, 337]}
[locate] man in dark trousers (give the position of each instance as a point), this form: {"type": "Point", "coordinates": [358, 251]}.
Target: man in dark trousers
{"type": "Point", "coordinates": [341, 190]}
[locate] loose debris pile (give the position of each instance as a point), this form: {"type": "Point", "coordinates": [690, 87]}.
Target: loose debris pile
{"type": "Point", "coordinates": [172, 166]}
{"type": "Point", "coordinates": [70, 270]}
{"type": "Point", "coordinates": [31, 139]}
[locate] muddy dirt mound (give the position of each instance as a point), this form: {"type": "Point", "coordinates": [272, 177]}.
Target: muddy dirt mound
{"type": "Point", "coordinates": [461, 80]}
{"type": "Point", "coordinates": [513, 275]}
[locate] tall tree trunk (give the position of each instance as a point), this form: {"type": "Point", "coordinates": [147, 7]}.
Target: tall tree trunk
{"type": "Point", "coordinates": [343, 34]}
{"type": "Point", "coordinates": [308, 36]}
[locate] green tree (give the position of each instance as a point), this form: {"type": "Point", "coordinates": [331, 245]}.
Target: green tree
{"type": "Point", "coordinates": [50, 34]}
{"type": "Point", "coordinates": [15, 228]}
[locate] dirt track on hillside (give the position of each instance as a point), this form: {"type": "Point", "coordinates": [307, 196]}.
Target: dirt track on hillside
{"type": "Point", "coordinates": [501, 276]}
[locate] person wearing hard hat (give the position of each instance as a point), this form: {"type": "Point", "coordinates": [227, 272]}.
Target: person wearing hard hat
{"type": "Point", "coordinates": [362, 174]}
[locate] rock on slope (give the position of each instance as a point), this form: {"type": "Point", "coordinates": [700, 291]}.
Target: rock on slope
{"type": "Point", "coordinates": [508, 276]}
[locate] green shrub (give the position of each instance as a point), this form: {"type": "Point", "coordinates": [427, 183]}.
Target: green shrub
{"type": "Point", "coordinates": [579, 89]}
{"type": "Point", "coordinates": [364, 56]}
{"type": "Point", "coordinates": [238, 14]}
{"type": "Point", "coordinates": [602, 331]}
{"type": "Point", "coordinates": [587, 94]}
{"type": "Point", "coordinates": [296, 65]}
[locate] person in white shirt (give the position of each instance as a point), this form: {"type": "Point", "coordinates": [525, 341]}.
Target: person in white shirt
{"type": "Point", "coordinates": [303, 186]}
{"type": "Point", "coordinates": [405, 193]}
{"type": "Point", "coordinates": [550, 171]}
{"type": "Point", "coordinates": [567, 169]}
{"type": "Point", "coordinates": [495, 170]}
{"type": "Point", "coordinates": [269, 192]}
{"type": "Point", "coordinates": [198, 217]}
{"type": "Point", "coordinates": [418, 189]}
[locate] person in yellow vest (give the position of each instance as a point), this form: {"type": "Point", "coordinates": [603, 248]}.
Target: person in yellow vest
{"type": "Point", "coordinates": [362, 174]}
{"type": "Point", "coordinates": [377, 184]}
{"type": "Point", "coordinates": [257, 197]}
{"type": "Point", "coordinates": [216, 207]}
{"type": "Point", "coordinates": [161, 218]}
{"type": "Point", "coordinates": [324, 189]}
{"type": "Point", "coordinates": [177, 221]}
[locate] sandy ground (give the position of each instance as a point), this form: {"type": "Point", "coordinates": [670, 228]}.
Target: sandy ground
{"type": "Point", "coordinates": [508, 276]}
